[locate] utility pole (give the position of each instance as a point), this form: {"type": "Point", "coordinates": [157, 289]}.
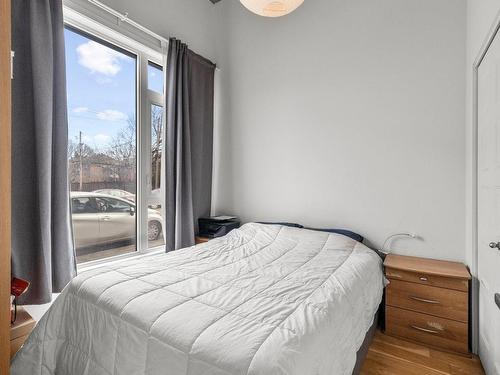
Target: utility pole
{"type": "Point", "coordinates": [81, 162]}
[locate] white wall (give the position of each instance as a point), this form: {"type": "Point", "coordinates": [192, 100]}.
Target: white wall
{"type": "Point", "coordinates": [192, 21]}
{"type": "Point", "coordinates": [342, 114]}
{"type": "Point", "coordinates": [346, 114]}
{"type": "Point", "coordinates": [480, 17]}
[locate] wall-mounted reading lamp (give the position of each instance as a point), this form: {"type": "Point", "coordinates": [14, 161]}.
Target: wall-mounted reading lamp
{"type": "Point", "coordinates": [409, 235]}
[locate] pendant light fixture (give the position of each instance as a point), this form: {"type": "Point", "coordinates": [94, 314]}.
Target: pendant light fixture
{"type": "Point", "coordinates": [271, 8]}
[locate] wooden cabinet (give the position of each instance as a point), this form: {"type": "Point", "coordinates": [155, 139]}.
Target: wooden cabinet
{"type": "Point", "coordinates": [20, 330]}
{"type": "Point", "coordinates": [428, 301]}
{"type": "Point", "coordinates": [199, 239]}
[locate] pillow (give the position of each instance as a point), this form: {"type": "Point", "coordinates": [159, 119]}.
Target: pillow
{"type": "Point", "coordinates": [293, 225]}
{"type": "Point", "coordinates": [348, 233]}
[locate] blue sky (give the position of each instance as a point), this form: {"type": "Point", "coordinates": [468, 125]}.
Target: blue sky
{"type": "Point", "coordinates": [101, 85]}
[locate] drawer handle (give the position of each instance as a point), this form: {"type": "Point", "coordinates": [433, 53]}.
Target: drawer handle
{"type": "Point", "coordinates": [424, 300]}
{"type": "Point", "coordinates": [426, 330]}
{"type": "Point", "coordinates": [423, 278]}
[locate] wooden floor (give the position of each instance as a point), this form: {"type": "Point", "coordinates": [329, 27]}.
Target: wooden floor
{"type": "Point", "coordinates": [391, 356]}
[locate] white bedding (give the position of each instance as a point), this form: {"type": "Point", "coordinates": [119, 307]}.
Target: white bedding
{"type": "Point", "coordinates": [265, 299]}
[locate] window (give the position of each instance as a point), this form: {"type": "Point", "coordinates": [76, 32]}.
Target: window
{"type": "Point", "coordinates": [110, 205]}
{"type": "Point", "coordinates": [155, 77]}
{"type": "Point", "coordinates": [82, 205]}
{"type": "Point", "coordinates": [115, 118]}
{"type": "Point", "coordinates": [155, 238]}
{"type": "Point", "coordinates": [155, 145]}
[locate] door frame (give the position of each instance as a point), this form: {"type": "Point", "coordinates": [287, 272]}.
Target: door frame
{"type": "Point", "coordinates": [5, 182]}
{"type": "Point", "coordinates": [490, 37]}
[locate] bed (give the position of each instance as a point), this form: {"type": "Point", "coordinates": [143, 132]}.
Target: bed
{"type": "Point", "coordinates": [265, 299]}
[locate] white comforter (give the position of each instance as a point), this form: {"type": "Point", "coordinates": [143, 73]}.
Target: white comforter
{"type": "Point", "coordinates": [265, 299]}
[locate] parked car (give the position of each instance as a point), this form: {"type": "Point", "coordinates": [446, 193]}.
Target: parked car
{"type": "Point", "coordinates": [154, 200]}
{"type": "Point", "coordinates": [117, 193]}
{"type": "Point", "coordinates": [100, 219]}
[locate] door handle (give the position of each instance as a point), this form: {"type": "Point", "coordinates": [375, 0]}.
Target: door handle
{"type": "Point", "coordinates": [495, 245]}
{"type": "Point", "coordinates": [106, 218]}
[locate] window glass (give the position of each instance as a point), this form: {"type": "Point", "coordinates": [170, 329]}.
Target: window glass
{"type": "Point", "coordinates": [109, 205]}
{"type": "Point", "coordinates": [156, 145]}
{"type": "Point", "coordinates": [101, 92]}
{"type": "Point", "coordinates": [155, 77]}
{"type": "Point", "coordinates": [155, 219]}
{"type": "Point", "coordinates": [82, 205]}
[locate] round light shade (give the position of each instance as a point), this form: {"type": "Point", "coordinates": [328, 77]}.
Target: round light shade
{"type": "Point", "coordinates": [272, 8]}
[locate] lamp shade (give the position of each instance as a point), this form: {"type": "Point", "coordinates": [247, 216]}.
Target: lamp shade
{"type": "Point", "coordinates": [271, 8]}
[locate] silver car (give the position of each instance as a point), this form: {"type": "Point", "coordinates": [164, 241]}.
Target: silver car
{"type": "Point", "coordinates": [117, 193]}
{"type": "Point", "coordinates": [100, 219]}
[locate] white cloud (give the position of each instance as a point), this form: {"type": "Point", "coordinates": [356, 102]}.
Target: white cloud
{"type": "Point", "coordinates": [80, 109]}
{"type": "Point", "coordinates": [111, 115]}
{"type": "Point", "coordinates": [87, 139]}
{"type": "Point", "coordinates": [99, 58]}
{"type": "Point", "coordinates": [102, 139]}
{"type": "Point", "coordinates": [97, 141]}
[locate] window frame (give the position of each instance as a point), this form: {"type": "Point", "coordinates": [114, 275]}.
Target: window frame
{"type": "Point", "coordinates": [144, 99]}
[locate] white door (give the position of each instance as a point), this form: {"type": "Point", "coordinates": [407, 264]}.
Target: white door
{"type": "Point", "coordinates": [489, 207]}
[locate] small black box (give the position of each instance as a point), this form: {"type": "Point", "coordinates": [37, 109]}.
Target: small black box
{"type": "Point", "coordinates": [217, 226]}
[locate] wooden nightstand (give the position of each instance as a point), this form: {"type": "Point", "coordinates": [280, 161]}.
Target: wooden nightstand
{"type": "Point", "coordinates": [428, 301]}
{"type": "Point", "coordinates": [199, 239]}
{"type": "Point", "coordinates": [20, 330]}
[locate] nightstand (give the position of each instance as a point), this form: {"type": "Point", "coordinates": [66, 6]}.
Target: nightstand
{"type": "Point", "coordinates": [428, 301]}
{"type": "Point", "coordinates": [20, 330]}
{"type": "Point", "coordinates": [199, 239]}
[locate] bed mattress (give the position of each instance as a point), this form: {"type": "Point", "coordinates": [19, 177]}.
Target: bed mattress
{"type": "Point", "coordinates": [265, 299]}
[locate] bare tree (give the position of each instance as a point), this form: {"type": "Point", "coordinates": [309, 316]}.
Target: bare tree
{"type": "Point", "coordinates": [156, 126]}
{"type": "Point", "coordinates": [117, 161]}
{"type": "Point", "coordinates": [74, 149]}
{"type": "Point", "coordinates": [122, 146]}
{"type": "Point", "coordinates": [156, 145]}
{"type": "Point", "coordinates": [78, 157]}
{"type": "Point", "coordinates": [122, 150]}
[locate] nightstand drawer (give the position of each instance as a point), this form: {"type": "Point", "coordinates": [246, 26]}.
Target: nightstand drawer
{"type": "Point", "coordinates": [445, 303]}
{"type": "Point", "coordinates": [16, 344]}
{"type": "Point", "coordinates": [426, 279]}
{"type": "Point", "coordinates": [427, 329]}
{"type": "Point", "coordinates": [20, 330]}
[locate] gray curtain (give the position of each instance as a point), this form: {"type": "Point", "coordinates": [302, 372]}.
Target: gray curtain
{"type": "Point", "coordinates": [189, 143]}
{"type": "Point", "coordinates": [42, 244]}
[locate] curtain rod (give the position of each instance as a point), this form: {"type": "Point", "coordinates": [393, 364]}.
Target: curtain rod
{"type": "Point", "coordinates": [123, 17]}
